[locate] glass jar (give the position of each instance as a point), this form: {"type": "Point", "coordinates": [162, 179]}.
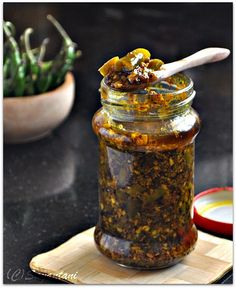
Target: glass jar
{"type": "Point", "coordinates": [146, 173]}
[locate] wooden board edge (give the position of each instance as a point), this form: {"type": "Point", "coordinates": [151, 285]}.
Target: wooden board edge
{"type": "Point", "coordinates": [50, 274]}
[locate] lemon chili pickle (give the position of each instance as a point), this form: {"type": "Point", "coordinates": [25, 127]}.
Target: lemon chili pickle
{"type": "Point", "coordinates": [146, 138]}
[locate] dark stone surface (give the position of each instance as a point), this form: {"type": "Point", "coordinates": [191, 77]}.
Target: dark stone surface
{"type": "Point", "coordinates": [50, 186]}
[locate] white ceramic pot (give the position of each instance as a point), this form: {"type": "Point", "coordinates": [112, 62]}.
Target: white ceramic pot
{"type": "Point", "coordinates": [29, 118]}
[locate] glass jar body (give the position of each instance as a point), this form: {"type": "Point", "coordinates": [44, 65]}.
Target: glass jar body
{"type": "Point", "coordinates": [146, 189]}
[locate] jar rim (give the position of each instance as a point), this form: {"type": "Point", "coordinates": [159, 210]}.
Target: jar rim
{"type": "Point", "coordinates": [164, 91]}
{"type": "Point", "coordinates": [166, 98]}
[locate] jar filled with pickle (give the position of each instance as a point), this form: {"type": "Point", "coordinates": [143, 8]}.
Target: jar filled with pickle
{"type": "Point", "coordinates": [146, 133]}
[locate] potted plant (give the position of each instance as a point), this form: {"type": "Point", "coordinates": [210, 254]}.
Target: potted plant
{"type": "Point", "coordinates": [38, 94]}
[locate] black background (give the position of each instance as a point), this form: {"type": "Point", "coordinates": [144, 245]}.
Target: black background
{"type": "Point", "coordinates": [50, 186]}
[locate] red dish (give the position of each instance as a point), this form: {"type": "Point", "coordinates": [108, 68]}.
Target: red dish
{"type": "Point", "coordinates": [213, 210]}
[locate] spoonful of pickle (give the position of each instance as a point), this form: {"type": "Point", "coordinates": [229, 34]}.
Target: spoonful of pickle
{"type": "Point", "coordinates": [137, 70]}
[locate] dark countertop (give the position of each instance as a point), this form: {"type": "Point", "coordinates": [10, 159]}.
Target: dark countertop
{"type": "Point", "coordinates": [50, 186]}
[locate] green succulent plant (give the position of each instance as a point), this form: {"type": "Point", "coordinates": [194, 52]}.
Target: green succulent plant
{"type": "Point", "coordinates": [24, 70]}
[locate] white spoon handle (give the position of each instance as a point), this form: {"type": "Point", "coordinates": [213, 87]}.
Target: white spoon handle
{"type": "Point", "coordinates": [201, 57]}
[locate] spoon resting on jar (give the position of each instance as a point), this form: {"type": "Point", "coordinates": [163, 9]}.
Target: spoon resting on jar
{"type": "Point", "coordinates": [137, 71]}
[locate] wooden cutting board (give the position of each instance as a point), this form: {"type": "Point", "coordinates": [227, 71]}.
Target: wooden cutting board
{"type": "Point", "coordinates": [78, 261]}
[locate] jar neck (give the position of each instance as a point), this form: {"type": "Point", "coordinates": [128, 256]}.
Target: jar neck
{"type": "Point", "coordinates": [164, 100]}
